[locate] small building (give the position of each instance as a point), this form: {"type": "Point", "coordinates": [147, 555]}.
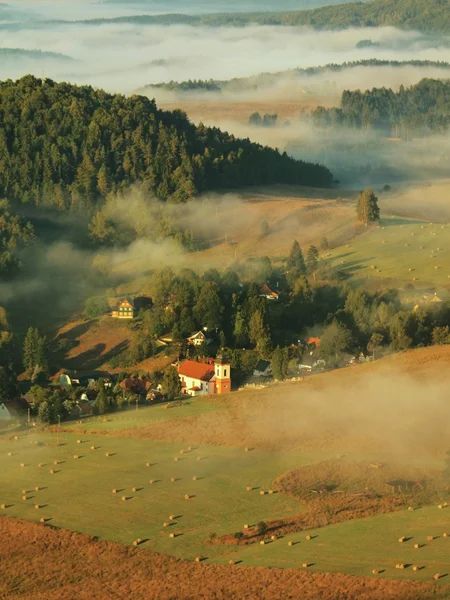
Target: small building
{"type": "Point", "coordinates": [213, 377]}
{"type": "Point", "coordinates": [263, 369]}
{"type": "Point", "coordinates": [83, 378]}
{"type": "Point", "coordinates": [124, 309]}
{"type": "Point", "coordinates": [82, 408]}
{"type": "Point", "coordinates": [268, 293]}
{"type": "Point", "coordinates": [199, 338]}
{"type": "Point", "coordinates": [15, 409]}
{"type": "Point", "coordinates": [136, 385]}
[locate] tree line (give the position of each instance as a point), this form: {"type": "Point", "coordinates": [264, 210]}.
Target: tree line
{"type": "Point", "coordinates": [262, 80]}
{"type": "Point", "coordinates": [70, 146]}
{"type": "Point", "coordinates": [419, 15]}
{"type": "Point", "coordinates": [421, 109]}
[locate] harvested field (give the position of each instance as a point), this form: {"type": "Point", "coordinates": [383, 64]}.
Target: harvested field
{"type": "Point", "coordinates": [49, 564]}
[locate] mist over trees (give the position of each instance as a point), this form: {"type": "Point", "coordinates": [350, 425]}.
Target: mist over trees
{"type": "Point", "coordinates": [66, 146]}
{"type": "Point", "coordinates": [421, 109]}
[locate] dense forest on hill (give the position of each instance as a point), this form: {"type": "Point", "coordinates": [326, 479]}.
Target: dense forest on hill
{"type": "Point", "coordinates": [420, 109]}
{"type": "Point", "coordinates": [421, 15]}
{"type": "Point", "coordinates": [6, 53]}
{"type": "Point", "coordinates": [254, 82]}
{"type": "Point", "coordinates": [67, 146]}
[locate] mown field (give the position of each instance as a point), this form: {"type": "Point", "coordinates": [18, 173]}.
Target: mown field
{"type": "Point", "coordinates": [404, 250]}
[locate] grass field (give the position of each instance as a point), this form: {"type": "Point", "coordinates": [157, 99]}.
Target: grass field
{"type": "Point", "coordinates": [399, 249]}
{"type": "Point", "coordinates": [78, 496]}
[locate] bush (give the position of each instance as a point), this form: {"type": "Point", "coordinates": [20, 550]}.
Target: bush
{"type": "Point", "coordinates": [96, 306]}
{"type": "Point", "coordinates": [262, 528]}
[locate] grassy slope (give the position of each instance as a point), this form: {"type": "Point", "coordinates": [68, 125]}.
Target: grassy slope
{"type": "Point", "coordinates": [79, 495]}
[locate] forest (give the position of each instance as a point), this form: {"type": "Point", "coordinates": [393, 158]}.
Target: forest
{"type": "Point", "coordinates": [420, 110]}
{"type": "Point", "coordinates": [69, 146]}
{"type": "Point", "coordinates": [420, 15]}
{"type": "Point", "coordinates": [254, 82]}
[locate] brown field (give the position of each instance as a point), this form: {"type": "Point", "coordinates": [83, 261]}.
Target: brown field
{"type": "Point", "coordinates": [43, 563]}
{"type": "Point", "coordinates": [212, 111]}
{"type": "Point", "coordinates": [395, 406]}
{"type": "Point", "coordinates": [93, 343]}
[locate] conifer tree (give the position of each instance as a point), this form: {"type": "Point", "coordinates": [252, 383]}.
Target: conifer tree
{"type": "Point", "coordinates": [367, 208]}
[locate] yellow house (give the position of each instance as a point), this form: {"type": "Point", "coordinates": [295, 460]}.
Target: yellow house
{"type": "Point", "coordinates": [124, 310]}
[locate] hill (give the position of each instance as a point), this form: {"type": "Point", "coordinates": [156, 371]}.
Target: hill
{"type": "Point", "coordinates": [41, 562]}
{"type": "Point", "coordinates": [421, 15]}
{"type": "Point", "coordinates": [66, 146]}
{"type": "Point", "coordinates": [264, 80]}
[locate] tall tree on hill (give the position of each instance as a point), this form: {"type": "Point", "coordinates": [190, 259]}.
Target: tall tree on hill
{"type": "Point", "coordinates": [335, 339]}
{"type": "Point", "coordinates": [171, 384]}
{"type": "Point", "coordinates": [209, 306]}
{"type": "Point", "coordinates": [295, 264]}
{"type": "Point", "coordinates": [34, 352]}
{"type": "Point", "coordinates": [280, 363]}
{"type": "Point", "coordinates": [312, 258]}
{"type": "Point", "coordinates": [367, 209]}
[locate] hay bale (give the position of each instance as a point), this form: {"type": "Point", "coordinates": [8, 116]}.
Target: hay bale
{"type": "Point", "coordinates": [52, 471]}
{"type": "Point", "coordinates": [171, 535]}
{"type": "Point", "coordinates": [189, 448]}
{"type": "Point", "coordinates": [40, 465]}
{"type": "Point", "coordinates": [42, 519]}
{"type": "Point", "coordinates": [181, 451]}
{"type": "Point", "coordinates": [262, 542]}
{"type": "Point", "coordinates": [151, 481]}
{"type": "Point", "coordinates": [416, 546]}
{"type": "Point", "coordinates": [187, 497]}
{"type": "Point", "coordinates": [262, 493]}
{"type": "Point", "coordinates": [430, 538]}
{"type": "Point", "coordinates": [172, 518]}
{"type": "Point", "coordinates": [137, 542]}
{"type": "Point", "coordinates": [22, 464]}
{"type": "Point", "coordinates": [114, 491]}
{"type": "Point", "coordinates": [199, 458]}
{"type": "Point", "coordinates": [78, 441]}
{"type": "Point", "coordinates": [92, 448]}
{"type": "Point", "coordinates": [308, 537]}
{"type": "Point", "coordinates": [24, 491]}
{"type": "Point", "coordinates": [270, 491]}
{"type": "Point", "coordinates": [107, 454]}
{"type": "Point", "coordinates": [37, 506]}
{"type": "Point", "coordinates": [3, 506]}
{"type": "Point", "coordinates": [415, 568]}
{"type": "Point", "coordinates": [172, 479]}
{"type": "Point", "coordinates": [437, 576]}
{"type": "Point", "coordinates": [9, 453]}
{"type": "Point", "coordinates": [134, 489]}
{"type": "Point", "coordinates": [445, 534]}
{"type": "Point", "coordinates": [246, 449]}
{"type": "Point", "coordinates": [290, 543]}
{"type": "Point", "coordinates": [248, 488]}
{"type": "Point", "coordinates": [16, 437]}
{"type": "Point", "coordinates": [37, 488]}
{"type": "Point", "coordinates": [24, 497]}
{"type": "Point", "coordinates": [176, 459]}
{"type": "Point", "coordinates": [231, 562]}
{"type": "Point", "coordinates": [375, 571]}
{"type": "Point", "coordinates": [76, 456]}
{"type": "Point", "coordinates": [273, 537]}
{"type": "Point", "coordinates": [194, 478]}
{"type": "Point", "coordinates": [399, 566]}
{"type": "Point", "coordinates": [55, 462]}
{"type": "Point", "coordinates": [402, 539]}
{"type": "Point", "coordinates": [305, 565]}
{"type": "Point", "coordinates": [148, 464]}
{"type": "Point", "coordinates": [124, 498]}
{"type": "Point", "coordinates": [166, 524]}
{"type": "Point", "coordinates": [198, 559]}
{"type": "Point", "coordinates": [410, 507]}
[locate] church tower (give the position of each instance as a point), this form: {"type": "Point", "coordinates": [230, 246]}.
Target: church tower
{"type": "Point", "coordinates": [222, 368]}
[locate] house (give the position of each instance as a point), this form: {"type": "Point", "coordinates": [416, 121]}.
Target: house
{"type": "Point", "coordinates": [136, 385]}
{"type": "Point", "coordinates": [263, 369]}
{"type": "Point", "coordinates": [15, 409]}
{"type": "Point", "coordinates": [268, 293]}
{"type": "Point", "coordinates": [314, 342]}
{"type": "Point", "coordinates": [82, 408]}
{"type": "Point", "coordinates": [199, 338]}
{"type": "Point", "coordinates": [213, 377]}
{"type": "Point", "coordinates": [124, 309]}
{"type": "Point", "coordinates": [83, 378]}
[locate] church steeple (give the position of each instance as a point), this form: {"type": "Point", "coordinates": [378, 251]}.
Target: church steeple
{"type": "Point", "coordinates": [222, 368]}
